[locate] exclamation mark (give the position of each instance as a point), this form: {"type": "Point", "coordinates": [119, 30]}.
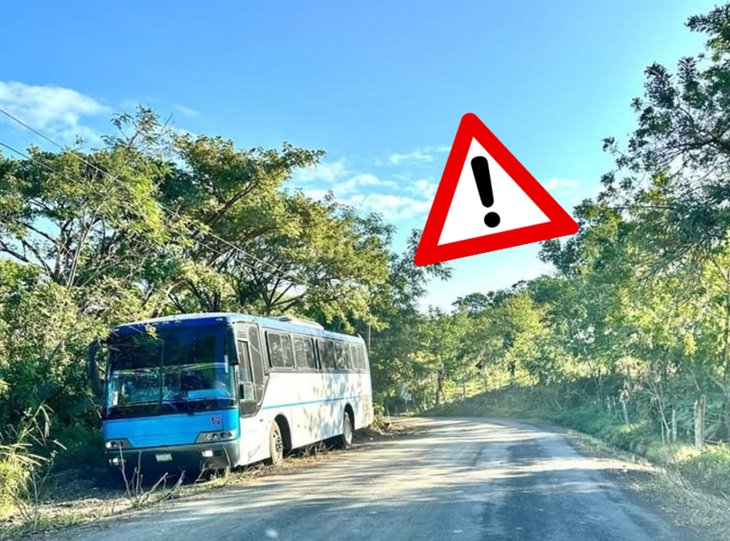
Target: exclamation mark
{"type": "Point", "coordinates": [480, 168]}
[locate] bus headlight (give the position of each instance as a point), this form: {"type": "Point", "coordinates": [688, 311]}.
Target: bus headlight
{"type": "Point", "coordinates": [117, 444]}
{"type": "Point", "coordinates": [212, 437]}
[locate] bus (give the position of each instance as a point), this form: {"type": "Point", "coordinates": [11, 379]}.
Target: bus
{"type": "Point", "coordinates": [219, 390]}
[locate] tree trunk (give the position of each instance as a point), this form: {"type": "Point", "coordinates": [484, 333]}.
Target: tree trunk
{"type": "Point", "coordinates": [439, 386]}
{"type": "Point", "coordinates": [726, 375]}
{"type": "Point", "coordinates": [700, 422]}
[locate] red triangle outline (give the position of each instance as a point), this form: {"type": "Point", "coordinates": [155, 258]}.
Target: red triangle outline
{"type": "Point", "coordinates": [560, 222]}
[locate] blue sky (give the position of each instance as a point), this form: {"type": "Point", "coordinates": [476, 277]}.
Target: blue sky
{"type": "Point", "coordinates": [381, 86]}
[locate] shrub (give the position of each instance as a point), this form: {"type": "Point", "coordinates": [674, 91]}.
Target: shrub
{"type": "Point", "coordinates": [709, 470]}
{"type": "Point", "coordinates": [23, 470]}
{"type": "Point", "coordinates": [13, 477]}
{"type": "Point", "coordinates": [84, 447]}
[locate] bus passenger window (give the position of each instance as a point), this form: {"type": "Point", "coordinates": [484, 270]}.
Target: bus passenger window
{"type": "Point", "coordinates": [280, 352]}
{"type": "Point", "coordinates": [358, 360]}
{"type": "Point", "coordinates": [342, 353]}
{"type": "Point", "coordinates": [326, 355]}
{"type": "Point", "coordinates": [304, 353]}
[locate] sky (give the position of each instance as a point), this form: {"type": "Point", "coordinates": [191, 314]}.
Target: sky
{"type": "Point", "coordinates": [380, 86]}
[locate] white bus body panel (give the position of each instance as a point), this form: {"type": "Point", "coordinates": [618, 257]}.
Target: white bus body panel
{"type": "Point", "coordinates": [313, 404]}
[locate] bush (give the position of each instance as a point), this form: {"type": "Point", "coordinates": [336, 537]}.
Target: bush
{"type": "Point", "coordinates": [23, 469]}
{"type": "Point", "coordinates": [13, 477]}
{"type": "Point", "coordinates": [709, 470]}
{"type": "Point", "coordinates": [84, 447]}
{"type": "Point", "coordinates": [586, 419]}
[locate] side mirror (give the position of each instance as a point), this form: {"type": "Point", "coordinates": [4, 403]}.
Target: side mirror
{"type": "Point", "coordinates": [246, 391]}
{"type": "Point", "coordinates": [92, 371]}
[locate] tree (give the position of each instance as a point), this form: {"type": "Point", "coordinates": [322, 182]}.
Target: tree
{"type": "Point", "coordinates": [673, 173]}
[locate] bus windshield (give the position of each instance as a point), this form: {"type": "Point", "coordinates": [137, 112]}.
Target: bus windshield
{"type": "Point", "coordinates": [181, 370]}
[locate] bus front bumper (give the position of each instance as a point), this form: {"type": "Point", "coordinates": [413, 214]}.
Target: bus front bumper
{"type": "Point", "coordinates": [197, 457]}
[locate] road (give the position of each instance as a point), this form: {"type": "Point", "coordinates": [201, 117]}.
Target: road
{"type": "Point", "coordinates": [457, 479]}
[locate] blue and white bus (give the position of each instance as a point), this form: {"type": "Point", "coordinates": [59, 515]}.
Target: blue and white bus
{"type": "Point", "coordinates": [212, 391]}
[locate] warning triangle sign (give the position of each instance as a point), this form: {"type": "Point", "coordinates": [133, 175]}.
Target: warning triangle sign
{"type": "Point", "coordinates": [487, 201]}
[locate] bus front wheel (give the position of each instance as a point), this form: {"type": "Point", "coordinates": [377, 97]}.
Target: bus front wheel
{"type": "Point", "coordinates": [344, 440]}
{"type": "Point", "coordinates": [276, 444]}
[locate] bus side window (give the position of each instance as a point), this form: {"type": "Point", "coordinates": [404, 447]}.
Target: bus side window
{"type": "Point", "coordinates": [280, 350]}
{"type": "Point", "coordinates": [326, 355]}
{"type": "Point", "coordinates": [358, 361]}
{"type": "Point", "coordinates": [363, 363]}
{"type": "Point", "coordinates": [342, 352]}
{"type": "Point", "coordinates": [304, 353]}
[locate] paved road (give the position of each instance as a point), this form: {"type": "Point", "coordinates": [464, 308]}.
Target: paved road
{"type": "Point", "coordinates": [461, 479]}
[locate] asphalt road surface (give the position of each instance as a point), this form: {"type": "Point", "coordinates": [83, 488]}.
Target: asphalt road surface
{"type": "Point", "coordinates": [458, 479]}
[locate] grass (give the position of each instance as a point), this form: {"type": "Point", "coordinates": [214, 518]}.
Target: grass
{"type": "Point", "coordinates": [709, 470]}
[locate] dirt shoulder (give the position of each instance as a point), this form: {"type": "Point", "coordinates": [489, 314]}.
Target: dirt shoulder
{"type": "Point", "coordinates": [78, 496]}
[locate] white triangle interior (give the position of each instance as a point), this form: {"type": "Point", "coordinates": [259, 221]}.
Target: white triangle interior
{"type": "Point", "coordinates": [465, 219]}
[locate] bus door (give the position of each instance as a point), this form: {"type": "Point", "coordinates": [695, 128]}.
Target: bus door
{"type": "Point", "coordinates": [251, 385]}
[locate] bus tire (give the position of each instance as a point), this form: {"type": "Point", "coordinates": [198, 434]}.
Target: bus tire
{"type": "Point", "coordinates": [344, 440]}
{"type": "Point", "coordinates": [276, 444]}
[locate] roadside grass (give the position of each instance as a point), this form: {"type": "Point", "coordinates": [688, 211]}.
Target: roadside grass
{"type": "Point", "coordinates": [77, 496]}
{"type": "Point", "coordinates": [692, 485]}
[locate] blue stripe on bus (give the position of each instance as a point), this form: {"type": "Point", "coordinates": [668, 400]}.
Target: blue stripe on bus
{"type": "Point", "coordinates": [308, 402]}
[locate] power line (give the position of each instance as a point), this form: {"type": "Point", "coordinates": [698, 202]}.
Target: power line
{"type": "Point", "coordinates": [35, 160]}
{"type": "Point", "coordinates": [276, 271]}
{"type": "Point", "coordinates": [30, 128]}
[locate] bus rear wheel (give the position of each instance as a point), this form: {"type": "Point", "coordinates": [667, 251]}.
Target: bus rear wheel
{"type": "Point", "coordinates": [344, 440]}
{"type": "Point", "coordinates": [276, 444]}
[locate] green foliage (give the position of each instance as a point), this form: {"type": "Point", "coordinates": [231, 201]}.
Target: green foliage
{"type": "Point", "coordinates": [27, 456]}
{"type": "Point", "coordinates": [710, 470]}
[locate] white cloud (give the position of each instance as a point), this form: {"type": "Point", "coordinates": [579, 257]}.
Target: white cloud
{"type": "Point", "coordinates": [52, 109]}
{"type": "Point", "coordinates": [439, 148]}
{"type": "Point", "coordinates": [316, 194]}
{"type": "Point", "coordinates": [423, 155]}
{"type": "Point", "coordinates": [561, 185]}
{"type": "Point", "coordinates": [327, 172]}
{"type": "Point", "coordinates": [568, 192]}
{"type": "Point", "coordinates": [423, 187]}
{"type": "Point", "coordinates": [415, 156]}
{"type": "Point", "coordinates": [186, 111]}
{"type": "Point", "coordinates": [392, 207]}
{"type": "Point", "coordinates": [361, 179]}
{"type": "Point", "coordinates": [337, 177]}
{"type": "Point", "coordinates": [395, 201]}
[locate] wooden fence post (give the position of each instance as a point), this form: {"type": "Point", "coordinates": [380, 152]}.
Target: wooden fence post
{"type": "Point", "coordinates": [700, 406]}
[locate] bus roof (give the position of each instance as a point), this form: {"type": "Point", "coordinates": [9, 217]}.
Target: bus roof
{"type": "Point", "coordinates": [183, 321]}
